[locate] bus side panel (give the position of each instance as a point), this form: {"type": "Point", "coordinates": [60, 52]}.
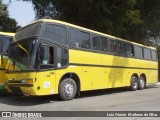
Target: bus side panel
{"type": "Point", "coordinates": [152, 77]}
{"type": "Point", "coordinates": [92, 71]}
{"type": "Point", "coordinates": [83, 57]}
{"type": "Point", "coordinates": [106, 75]}
{"type": "Point", "coordinates": [95, 78]}
{"type": "Point", "coordinates": [116, 71]}
{"type": "Point", "coordinates": [109, 71]}
{"type": "Point", "coordinates": [63, 73]}
{"type": "Point", "coordinates": [46, 82]}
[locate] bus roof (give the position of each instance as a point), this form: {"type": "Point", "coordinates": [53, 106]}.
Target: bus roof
{"type": "Point", "coordinates": [7, 34]}
{"type": "Point", "coordinates": [85, 29]}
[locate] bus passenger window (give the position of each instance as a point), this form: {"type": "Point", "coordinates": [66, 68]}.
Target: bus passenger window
{"type": "Point", "coordinates": [138, 51]}
{"type": "Point", "coordinates": [55, 33]}
{"type": "Point", "coordinates": [154, 54]}
{"type": "Point", "coordinates": [147, 53]}
{"type": "Point", "coordinates": [104, 44]}
{"type": "Point", "coordinates": [113, 46]}
{"type": "Point", "coordinates": [62, 57]}
{"type": "Point", "coordinates": [79, 39]}
{"type": "Point", "coordinates": [119, 47]}
{"type": "Point", "coordinates": [96, 42]}
{"type": "Point", "coordinates": [128, 50]}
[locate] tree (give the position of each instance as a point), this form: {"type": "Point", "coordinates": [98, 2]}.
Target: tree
{"type": "Point", "coordinates": [150, 13]}
{"type": "Point", "coordinates": [115, 17]}
{"type": "Point", "coordinates": [7, 24]}
{"type": "Point", "coordinates": [135, 20]}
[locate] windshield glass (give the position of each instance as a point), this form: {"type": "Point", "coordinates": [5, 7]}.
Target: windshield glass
{"type": "Point", "coordinates": [4, 43]}
{"type": "Point", "coordinates": [28, 31]}
{"type": "Point", "coordinates": [23, 54]}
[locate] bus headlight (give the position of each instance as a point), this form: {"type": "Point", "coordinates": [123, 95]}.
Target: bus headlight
{"type": "Point", "coordinates": [27, 81]}
{"type": "Point", "coordinates": [24, 81]}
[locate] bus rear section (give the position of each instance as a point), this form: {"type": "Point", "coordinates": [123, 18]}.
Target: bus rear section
{"type": "Point", "coordinates": [5, 40]}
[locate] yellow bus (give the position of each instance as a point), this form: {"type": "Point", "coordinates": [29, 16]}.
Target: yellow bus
{"type": "Point", "coordinates": [5, 40]}
{"type": "Point", "coordinates": [55, 57]}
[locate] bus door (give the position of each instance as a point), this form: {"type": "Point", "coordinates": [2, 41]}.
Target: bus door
{"type": "Point", "coordinates": [46, 74]}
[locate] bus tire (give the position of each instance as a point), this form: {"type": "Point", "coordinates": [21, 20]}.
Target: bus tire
{"type": "Point", "coordinates": [67, 89]}
{"type": "Point", "coordinates": [134, 83]}
{"type": "Point", "coordinates": [141, 83]}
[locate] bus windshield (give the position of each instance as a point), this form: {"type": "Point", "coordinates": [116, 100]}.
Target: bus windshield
{"type": "Point", "coordinates": [4, 43]}
{"type": "Point", "coordinates": [29, 31]}
{"type": "Point", "coordinates": [23, 54]}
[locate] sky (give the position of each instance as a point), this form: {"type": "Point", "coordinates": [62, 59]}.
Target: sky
{"type": "Point", "coordinates": [22, 12]}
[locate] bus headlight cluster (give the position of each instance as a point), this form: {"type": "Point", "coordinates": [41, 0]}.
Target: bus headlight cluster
{"type": "Point", "coordinates": [27, 81]}
{"type": "Point", "coordinates": [24, 81]}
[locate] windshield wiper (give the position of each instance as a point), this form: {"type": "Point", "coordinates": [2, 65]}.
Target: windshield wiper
{"type": "Point", "coordinates": [20, 46]}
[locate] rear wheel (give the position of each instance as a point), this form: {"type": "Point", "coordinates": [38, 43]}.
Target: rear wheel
{"type": "Point", "coordinates": [142, 83]}
{"type": "Point", "coordinates": [67, 89]}
{"type": "Point", "coordinates": [134, 83]}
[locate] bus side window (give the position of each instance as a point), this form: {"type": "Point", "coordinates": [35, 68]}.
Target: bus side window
{"type": "Point", "coordinates": [79, 39]}
{"type": "Point", "coordinates": [128, 50]}
{"type": "Point", "coordinates": [147, 53]}
{"type": "Point", "coordinates": [154, 55]}
{"type": "Point", "coordinates": [112, 46]}
{"type": "Point", "coordinates": [62, 57]}
{"type": "Point", "coordinates": [104, 44]}
{"type": "Point", "coordinates": [96, 42]}
{"type": "Point", "coordinates": [138, 51]}
{"type": "Point", "coordinates": [119, 48]}
{"type": "Point", "coordinates": [55, 33]}
{"type": "Point", "coordinates": [47, 60]}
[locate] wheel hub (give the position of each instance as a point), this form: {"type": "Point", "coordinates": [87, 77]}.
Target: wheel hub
{"type": "Point", "coordinates": [135, 84]}
{"type": "Point", "coordinates": [68, 89]}
{"type": "Point", "coordinates": [142, 83]}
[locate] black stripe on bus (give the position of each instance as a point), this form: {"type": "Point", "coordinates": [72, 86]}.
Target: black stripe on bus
{"type": "Point", "coordinates": [109, 66]}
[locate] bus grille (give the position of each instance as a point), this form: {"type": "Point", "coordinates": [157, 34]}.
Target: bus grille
{"type": "Point", "coordinates": [16, 90]}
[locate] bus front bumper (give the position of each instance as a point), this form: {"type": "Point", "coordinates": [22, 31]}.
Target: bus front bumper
{"type": "Point", "coordinates": [19, 84]}
{"type": "Point", "coordinates": [19, 88]}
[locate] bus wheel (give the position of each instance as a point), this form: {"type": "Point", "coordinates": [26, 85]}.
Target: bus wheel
{"type": "Point", "coordinates": [134, 83]}
{"type": "Point", "coordinates": [142, 83]}
{"type": "Point", "coordinates": [67, 89]}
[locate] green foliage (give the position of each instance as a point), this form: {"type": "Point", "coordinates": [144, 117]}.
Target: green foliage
{"type": "Point", "coordinates": [3, 9]}
{"type": "Point", "coordinates": [7, 24]}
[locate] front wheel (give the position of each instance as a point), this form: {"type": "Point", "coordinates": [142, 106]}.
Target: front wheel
{"type": "Point", "coordinates": [134, 83]}
{"type": "Point", "coordinates": [142, 83]}
{"type": "Point", "coordinates": [67, 89]}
